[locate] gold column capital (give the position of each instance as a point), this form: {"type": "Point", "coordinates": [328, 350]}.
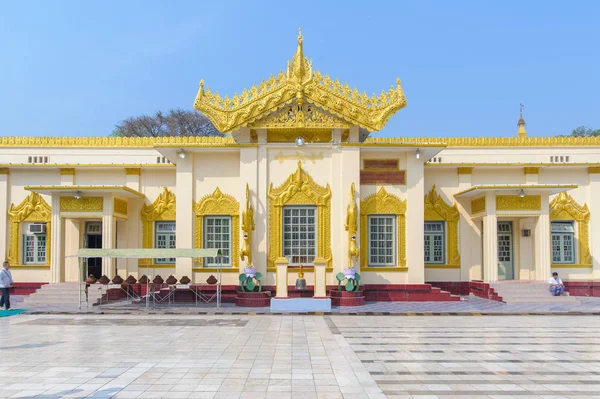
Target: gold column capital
{"type": "Point", "coordinates": [594, 169]}
{"type": "Point", "coordinates": [531, 170]}
{"type": "Point", "coordinates": [133, 171]}
{"type": "Point", "coordinates": [465, 170]}
{"type": "Point", "coordinates": [4, 171]}
{"type": "Point", "coordinates": [67, 171]}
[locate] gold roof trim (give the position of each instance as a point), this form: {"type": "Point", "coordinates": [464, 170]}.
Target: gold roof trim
{"type": "Point", "coordinates": [112, 141]}
{"type": "Point", "coordinates": [489, 141]}
{"type": "Point", "coordinates": [297, 84]}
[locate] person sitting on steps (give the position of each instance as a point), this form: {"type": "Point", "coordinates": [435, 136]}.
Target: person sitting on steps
{"type": "Point", "coordinates": [556, 285]}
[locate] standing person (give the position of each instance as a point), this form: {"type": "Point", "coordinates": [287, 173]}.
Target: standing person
{"type": "Point", "coordinates": [556, 285]}
{"type": "Point", "coordinates": [6, 283]}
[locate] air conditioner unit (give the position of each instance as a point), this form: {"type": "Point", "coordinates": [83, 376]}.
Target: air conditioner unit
{"type": "Point", "coordinates": [36, 228]}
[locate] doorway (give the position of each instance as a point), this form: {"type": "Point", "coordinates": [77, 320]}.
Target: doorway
{"type": "Point", "coordinates": [505, 251]}
{"type": "Point", "coordinates": [93, 239]}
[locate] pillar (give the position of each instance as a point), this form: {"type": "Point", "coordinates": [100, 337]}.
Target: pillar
{"type": "Point", "coordinates": [469, 231]}
{"type": "Point", "coordinates": [320, 265]}
{"type": "Point", "coordinates": [108, 236]}
{"type": "Point", "coordinates": [4, 213]}
{"type": "Point", "coordinates": [415, 219]}
{"type": "Point", "coordinates": [56, 246]}
{"type": "Point", "coordinates": [348, 173]}
{"type": "Point", "coordinates": [261, 218]}
{"type": "Point", "coordinates": [249, 175]}
{"type": "Point", "coordinates": [67, 176]}
{"type": "Point", "coordinates": [594, 206]}
{"type": "Point", "coordinates": [531, 175]}
{"type": "Point", "coordinates": [184, 191]}
{"type": "Point", "coordinates": [281, 283]}
{"type": "Point", "coordinates": [490, 240]}
{"type": "Point", "coordinates": [133, 224]}
{"type": "Point", "coordinates": [543, 267]}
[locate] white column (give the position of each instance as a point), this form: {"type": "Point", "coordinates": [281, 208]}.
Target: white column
{"type": "Point", "coordinates": [56, 246]}
{"type": "Point", "coordinates": [108, 236]}
{"type": "Point", "coordinates": [281, 280]}
{"type": "Point", "coordinates": [184, 192]}
{"type": "Point", "coordinates": [67, 176]}
{"type": "Point", "coordinates": [3, 213]}
{"type": "Point", "coordinates": [415, 219]}
{"type": "Point", "coordinates": [134, 224]}
{"type": "Point", "coordinates": [469, 239]}
{"type": "Point", "coordinates": [249, 175]}
{"type": "Point", "coordinates": [261, 218]}
{"type": "Point", "coordinates": [490, 240]}
{"type": "Point", "coordinates": [339, 202]}
{"type": "Point", "coordinates": [349, 173]}
{"type": "Point", "coordinates": [542, 243]}
{"type": "Point", "coordinates": [320, 265]}
{"type": "Point", "coordinates": [594, 206]}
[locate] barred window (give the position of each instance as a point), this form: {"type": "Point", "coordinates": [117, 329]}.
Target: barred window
{"type": "Point", "coordinates": [382, 240]}
{"type": "Point", "coordinates": [217, 234]}
{"type": "Point", "coordinates": [563, 242]}
{"type": "Point", "coordinates": [34, 246]}
{"type": "Point", "coordinates": [435, 239]}
{"type": "Point", "coordinates": [299, 234]}
{"type": "Point", "coordinates": [165, 238]}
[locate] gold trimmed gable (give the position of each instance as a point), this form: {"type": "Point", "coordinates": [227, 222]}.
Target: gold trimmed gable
{"type": "Point", "coordinates": [300, 85]}
{"type": "Point", "coordinates": [382, 203]}
{"type": "Point", "coordinates": [564, 207]}
{"type": "Point", "coordinates": [437, 209]}
{"type": "Point", "coordinates": [218, 203]}
{"type": "Point", "coordinates": [31, 209]}
{"type": "Point", "coordinates": [299, 189]}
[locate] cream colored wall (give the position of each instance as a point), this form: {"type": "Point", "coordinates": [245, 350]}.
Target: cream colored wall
{"type": "Point", "coordinates": [97, 176]}
{"type": "Point", "coordinates": [218, 169]}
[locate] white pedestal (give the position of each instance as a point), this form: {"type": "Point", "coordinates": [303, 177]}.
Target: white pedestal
{"type": "Point", "coordinates": [297, 305]}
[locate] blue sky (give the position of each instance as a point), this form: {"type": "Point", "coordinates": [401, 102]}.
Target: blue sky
{"type": "Point", "coordinates": [76, 68]}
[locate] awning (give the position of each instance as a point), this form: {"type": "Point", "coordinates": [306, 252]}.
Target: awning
{"type": "Point", "coordinates": [549, 189]}
{"type": "Point", "coordinates": [86, 190]}
{"type": "Point", "coordinates": [145, 253]}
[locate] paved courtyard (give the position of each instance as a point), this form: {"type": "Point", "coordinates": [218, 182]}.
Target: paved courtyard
{"type": "Point", "coordinates": [321, 357]}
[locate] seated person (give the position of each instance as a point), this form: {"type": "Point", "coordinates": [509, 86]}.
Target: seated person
{"type": "Point", "coordinates": [556, 285]}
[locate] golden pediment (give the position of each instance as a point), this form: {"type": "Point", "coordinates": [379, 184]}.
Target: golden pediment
{"type": "Point", "coordinates": [306, 116]}
{"type": "Point", "coordinates": [300, 85]}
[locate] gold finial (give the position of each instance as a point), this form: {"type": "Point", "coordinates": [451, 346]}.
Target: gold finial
{"type": "Point", "coordinates": [521, 132]}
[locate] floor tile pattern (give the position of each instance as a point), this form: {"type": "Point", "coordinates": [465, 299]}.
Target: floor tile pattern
{"type": "Point", "coordinates": [477, 357]}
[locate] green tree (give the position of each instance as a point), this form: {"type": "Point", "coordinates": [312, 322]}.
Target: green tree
{"type": "Point", "coordinates": [176, 123]}
{"type": "Point", "coordinates": [583, 131]}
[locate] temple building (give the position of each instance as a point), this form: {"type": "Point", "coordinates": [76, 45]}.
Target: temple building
{"type": "Point", "coordinates": [297, 179]}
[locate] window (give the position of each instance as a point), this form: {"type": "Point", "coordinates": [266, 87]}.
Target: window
{"type": "Point", "coordinates": [217, 234]}
{"type": "Point", "coordinates": [382, 240]}
{"type": "Point", "coordinates": [563, 241]}
{"type": "Point", "coordinates": [299, 234]}
{"type": "Point", "coordinates": [165, 238]}
{"type": "Point", "coordinates": [34, 244]}
{"type": "Point", "coordinates": [434, 242]}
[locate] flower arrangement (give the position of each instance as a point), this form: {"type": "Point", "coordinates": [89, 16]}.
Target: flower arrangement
{"type": "Point", "coordinates": [250, 279]}
{"type": "Point", "coordinates": [350, 278]}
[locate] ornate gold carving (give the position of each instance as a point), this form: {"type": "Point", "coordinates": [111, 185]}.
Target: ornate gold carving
{"type": "Point", "coordinates": [298, 156]}
{"type": "Point", "coordinates": [218, 203]}
{"type": "Point", "coordinates": [351, 227]}
{"type": "Point", "coordinates": [163, 208]}
{"type": "Point", "coordinates": [564, 207]}
{"type": "Point", "coordinates": [300, 83]}
{"type": "Point", "coordinates": [378, 204]}
{"type": "Point", "coordinates": [103, 142]}
{"type": "Point", "coordinates": [247, 228]}
{"type": "Point", "coordinates": [531, 170]}
{"type": "Point", "coordinates": [488, 141]}
{"type": "Point", "coordinates": [594, 169]}
{"type": "Point", "coordinates": [437, 209]}
{"type": "Point", "coordinates": [516, 203]}
{"type": "Point", "coordinates": [133, 171]}
{"type": "Point", "coordinates": [84, 204]}
{"type": "Point", "coordinates": [67, 171]}
{"type": "Point", "coordinates": [4, 171]}
{"type": "Point", "coordinates": [313, 135]}
{"type": "Point", "coordinates": [294, 116]}
{"type": "Point", "coordinates": [120, 206]}
{"type": "Point", "coordinates": [478, 205]}
{"type": "Point", "coordinates": [465, 171]}
{"type": "Point", "coordinates": [299, 189]}
{"type": "Point", "coordinates": [31, 209]}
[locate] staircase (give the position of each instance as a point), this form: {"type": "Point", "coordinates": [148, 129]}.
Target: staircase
{"type": "Point", "coordinates": [60, 295]}
{"type": "Point", "coordinates": [526, 291]}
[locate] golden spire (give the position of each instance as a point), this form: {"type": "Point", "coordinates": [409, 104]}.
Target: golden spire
{"type": "Point", "coordinates": [298, 67]}
{"type": "Point", "coordinates": [521, 132]}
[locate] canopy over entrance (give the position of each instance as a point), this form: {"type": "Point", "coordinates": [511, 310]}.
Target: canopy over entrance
{"type": "Point", "coordinates": [146, 253]}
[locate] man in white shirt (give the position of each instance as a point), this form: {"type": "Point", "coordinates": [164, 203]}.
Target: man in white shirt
{"type": "Point", "coordinates": [6, 283]}
{"type": "Point", "coordinates": [556, 285]}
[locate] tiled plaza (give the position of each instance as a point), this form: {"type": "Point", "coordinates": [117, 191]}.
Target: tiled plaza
{"type": "Point", "coordinates": [321, 357]}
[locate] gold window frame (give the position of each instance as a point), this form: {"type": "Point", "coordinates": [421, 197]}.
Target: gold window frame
{"type": "Point", "coordinates": [564, 207]}
{"type": "Point", "coordinates": [31, 209]}
{"type": "Point", "coordinates": [436, 210]}
{"type": "Point", "coordinates": [299, 189]}
{"type": "Point", "coordinates": [218, 204]}
{"type": "Point", "coordinates": [162, 209]}
{"type": "Point", "coordinates": [383, 203]}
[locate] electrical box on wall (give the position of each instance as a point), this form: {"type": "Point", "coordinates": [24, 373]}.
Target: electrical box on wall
{"type": "Point", "coordinates": [526, 232]}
